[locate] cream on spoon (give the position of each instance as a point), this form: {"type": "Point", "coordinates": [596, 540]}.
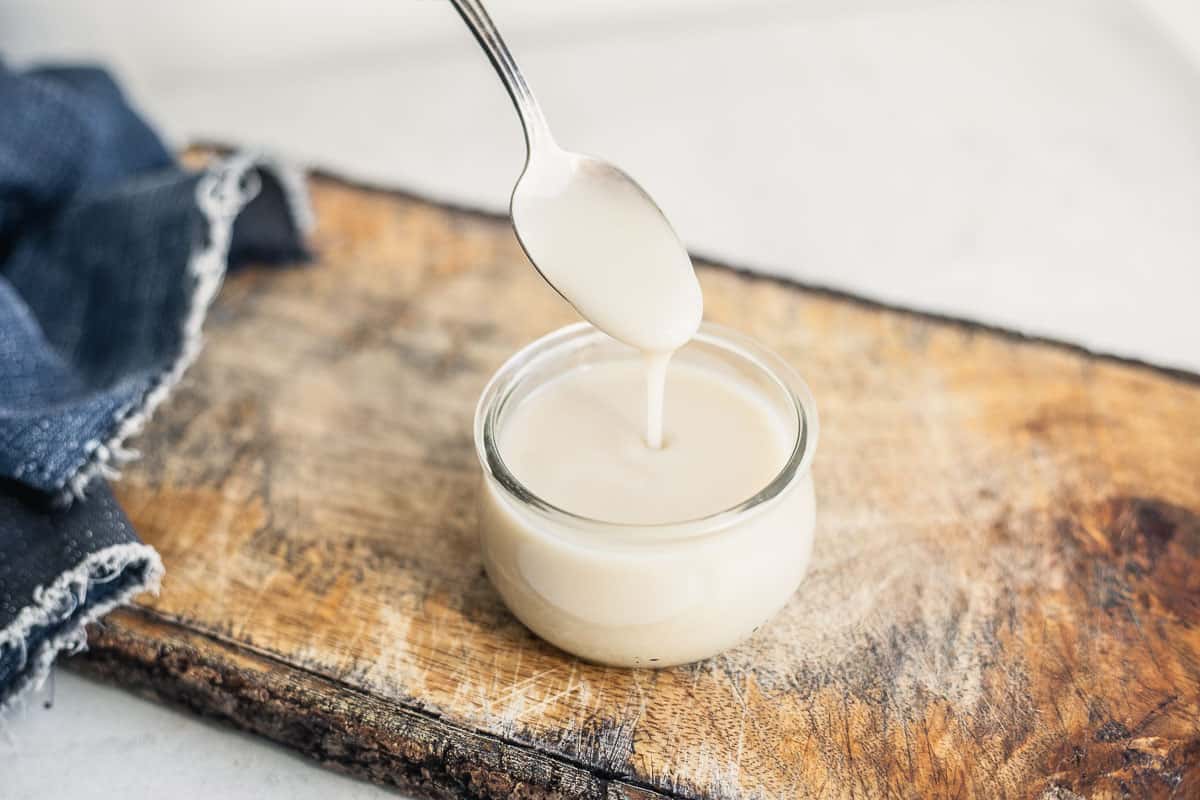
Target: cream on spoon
{"type": "Point", "coordinates": [596, 236]}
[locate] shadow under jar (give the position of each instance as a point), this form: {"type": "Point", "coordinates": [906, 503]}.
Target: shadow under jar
{"type": "Point", "coordinates": [647, 595]}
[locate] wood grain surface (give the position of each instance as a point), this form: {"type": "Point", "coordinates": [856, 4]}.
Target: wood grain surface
{"type": "Point", "coordinates": [1004, 599]}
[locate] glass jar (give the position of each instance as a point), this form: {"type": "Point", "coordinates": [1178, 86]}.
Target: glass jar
{"type": "Point", "coordinates": [646, 595]}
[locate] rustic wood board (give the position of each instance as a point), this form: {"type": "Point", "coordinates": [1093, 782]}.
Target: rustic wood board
{"type": "Point", "coordinates": [1004, 599]}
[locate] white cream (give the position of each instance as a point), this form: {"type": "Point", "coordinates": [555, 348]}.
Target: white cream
{"type": "Point", "coordinates": [652, 603]}
{"type": "Point", "coordinates": [603, 244]}
{"type": "Point", "coordinates": [654, 372]}
{"type": "Point", "coordinates": [633, 556]}
{"type": "Point", "coordinates": [576, 443]}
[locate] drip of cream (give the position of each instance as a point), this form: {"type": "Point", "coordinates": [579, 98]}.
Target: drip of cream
{"type": "Point", "coordinates": [604, 245]}
{"type": "Point", "coordinates": [656, 388]}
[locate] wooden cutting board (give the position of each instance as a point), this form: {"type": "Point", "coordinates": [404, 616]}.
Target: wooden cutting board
{"type": "Point", "coordinates": [1004, 599]}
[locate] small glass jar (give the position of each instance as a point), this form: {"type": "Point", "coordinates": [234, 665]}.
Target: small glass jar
{"type": "Point", "coordinates": [646, 595]}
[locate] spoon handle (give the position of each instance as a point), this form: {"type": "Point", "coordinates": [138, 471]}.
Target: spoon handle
{"type": "Point", "coordinates": [481, 25]}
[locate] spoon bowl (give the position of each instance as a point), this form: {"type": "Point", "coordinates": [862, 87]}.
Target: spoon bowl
{"type": "Point", "coordinates": [603, 243]}
{"type": "Point", "coordinates": [590, 230]}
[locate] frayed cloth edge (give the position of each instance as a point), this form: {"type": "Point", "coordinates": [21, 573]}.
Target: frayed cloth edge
{"type": "Point", "coordinates": [59, 602]}
{"type": "Point", "coordinates": [222, 192]}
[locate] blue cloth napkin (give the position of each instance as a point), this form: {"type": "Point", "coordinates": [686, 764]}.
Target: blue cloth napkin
{"type": "Point", "coordinates": [110, 254]}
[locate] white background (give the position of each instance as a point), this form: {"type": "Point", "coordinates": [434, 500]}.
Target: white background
{"type": "Point", "coordinates": [1033, 163]}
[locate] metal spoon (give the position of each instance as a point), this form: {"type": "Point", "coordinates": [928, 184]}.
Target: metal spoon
{"type": "Point", "coordinates": [590, 230]}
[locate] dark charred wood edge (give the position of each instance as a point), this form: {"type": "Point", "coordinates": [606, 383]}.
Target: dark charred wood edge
{"type": "Point", "coordinates": [965, 324]}
{"type": "Point", "coordinates": [338, 725]}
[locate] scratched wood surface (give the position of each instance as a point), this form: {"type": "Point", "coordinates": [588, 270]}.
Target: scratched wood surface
{"type": "Point", "coordinates": [1004, 599]}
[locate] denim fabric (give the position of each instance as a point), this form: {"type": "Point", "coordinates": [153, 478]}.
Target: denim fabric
{"type": "Point", "coordinates": [109, 254]}
{"type": "Point", "coordinates": [107, 282]}
{"type": "Point", "coordinates": [41, 549]}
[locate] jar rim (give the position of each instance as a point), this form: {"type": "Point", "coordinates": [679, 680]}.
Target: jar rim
{"type": "Point", "coordinates": [518, 367]}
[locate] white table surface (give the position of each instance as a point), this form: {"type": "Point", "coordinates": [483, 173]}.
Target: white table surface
{"type": "Point", "coordinates": [1033, 163]}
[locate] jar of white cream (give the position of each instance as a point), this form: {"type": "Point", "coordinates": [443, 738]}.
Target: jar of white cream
{"type": "Point", "coordinates": [631, 556]}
